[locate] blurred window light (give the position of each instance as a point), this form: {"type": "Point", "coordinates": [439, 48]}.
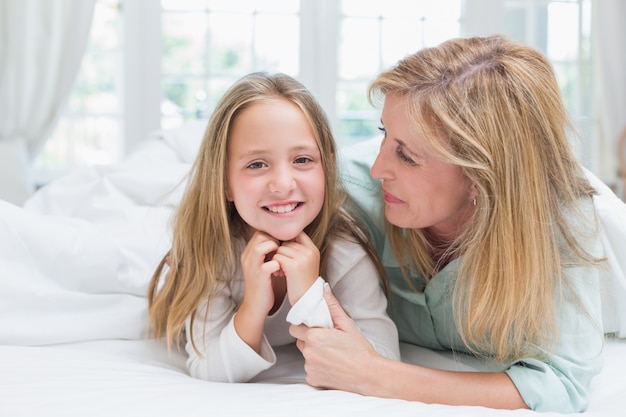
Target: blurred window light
{"type": "Point", "coordinates": [208, 44]}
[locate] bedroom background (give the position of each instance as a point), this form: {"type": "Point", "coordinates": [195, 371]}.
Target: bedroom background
{"type": "Point", "coordinates": [82, 82]}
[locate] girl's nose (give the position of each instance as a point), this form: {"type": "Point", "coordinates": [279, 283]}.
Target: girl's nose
{"type": "Point", "coordinates": [282, 181]}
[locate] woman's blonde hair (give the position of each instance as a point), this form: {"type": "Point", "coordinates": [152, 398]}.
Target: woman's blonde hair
{"type": "Point", "coordinates": [202, 253]}
{"type": "Point", "coordinates": [498, 106]}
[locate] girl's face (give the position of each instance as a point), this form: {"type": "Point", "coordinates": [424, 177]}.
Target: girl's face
{"type": "Point", "coordinates": [420, 189]}
{"type": "Point", "coordinates": [275, 173]}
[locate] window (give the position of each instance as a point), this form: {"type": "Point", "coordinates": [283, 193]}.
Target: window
{"type": "Point", "coordinates": [562, 31]}
{"type": "Point", "coordinates": [90, 130]}
{"type": "Point", "coordinates": [152, 65]}
{"type": "Point", "coordinates": [373, 36]}
{"type": "Point", "coordinates": [207, 45]}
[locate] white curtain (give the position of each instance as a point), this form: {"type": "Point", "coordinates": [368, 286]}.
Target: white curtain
{"type": "Point", "coordinates": [609, 48]}
{"type": "Point", "coordinates": [41, 46]}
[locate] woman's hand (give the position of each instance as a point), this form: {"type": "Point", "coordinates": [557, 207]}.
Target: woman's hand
{"type": "Point", "coordinates": [341, 358]}
{"type": "Point", "coordinates": [335, 358]}
{"type": "Point", "coordinates": [299, 260]}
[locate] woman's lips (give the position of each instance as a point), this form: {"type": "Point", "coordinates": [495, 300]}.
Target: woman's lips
{"type": "Point", "coordinates": [392, 199]}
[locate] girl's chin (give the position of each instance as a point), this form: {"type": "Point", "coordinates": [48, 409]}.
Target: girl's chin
{"type": "Point", "coordinates": [283, 236]}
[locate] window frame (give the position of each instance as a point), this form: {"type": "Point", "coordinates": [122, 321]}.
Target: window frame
{"type": "Point", "coordinates": [141, 75]}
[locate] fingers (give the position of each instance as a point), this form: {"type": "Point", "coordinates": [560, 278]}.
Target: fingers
{"type": "Point", "coordinates": [298, 331]}
{"type": "Point", "coordinates": [258, 253]}
{"type": "Point", "coordinates": [300, 344]}
{"type": "Point", "coordinates": [300, 262]}
{"type": "Point", "coordinates": [340, 318]}
{"type": "Point", "coordinates": [302, 247]}
{"type": "Point", "coordinates": [317, 346]}
{"type": "Point", "coordinates": [258, 296]}
{"type": "Point", "coordinates": [305, 240]}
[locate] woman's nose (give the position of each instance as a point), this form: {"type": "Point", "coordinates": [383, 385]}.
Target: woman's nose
{"type": "Point", "coordinates": [381, 168]}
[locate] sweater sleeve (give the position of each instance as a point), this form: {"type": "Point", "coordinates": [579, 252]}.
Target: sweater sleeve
{"type": "Point", "coordinates": [223, 356]}
{"type": "Point", "coordinates": [362, 297]}
{"type": "Point", "coordinates": [311, 309]}
{"type": "Point", "coordinates": [356, 284]}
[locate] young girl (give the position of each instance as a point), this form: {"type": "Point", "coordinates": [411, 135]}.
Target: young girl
{"type": "Point", "coordinates": [260, 224]}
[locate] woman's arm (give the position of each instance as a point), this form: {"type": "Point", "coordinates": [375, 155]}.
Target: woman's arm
{"type": "Point", "coordinates": [342, 358]}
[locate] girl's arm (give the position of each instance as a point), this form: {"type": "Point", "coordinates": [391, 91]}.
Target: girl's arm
{"type": "Point", "coordinates": [230, 338]}
{"type": "Point", "coordinates": [356, 282]}
{"type": "Point", "coordinates": [342, 358]}
{"type": "Point", "coordinates": [258, 293]}
{"type": "Point", "coordinates": [223, 355]}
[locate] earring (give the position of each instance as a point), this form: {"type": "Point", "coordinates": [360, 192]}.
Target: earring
{"type": "Point", "coordinates": [474, 201]}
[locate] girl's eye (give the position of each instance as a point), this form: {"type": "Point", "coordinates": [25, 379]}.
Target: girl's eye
{"type": "Point", "coordinates": [403, 157]}
{"type": "Point", "coordinates": [256, 165]}
{"type": "Point", "coordinates": [383, 130]}
{"type": "Point", "coordinates": [303, 160]}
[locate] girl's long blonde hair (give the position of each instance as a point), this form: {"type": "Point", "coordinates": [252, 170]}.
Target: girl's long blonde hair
{"type": "Point", "coordinates": [498, 107]}
{"type": "Point", "coordinates": [205, 226]}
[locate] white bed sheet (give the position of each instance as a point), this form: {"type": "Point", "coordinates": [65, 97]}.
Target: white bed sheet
{"type": "Point", "coordinates": [139, 378]}
{"type": "Point", "coordinates": [74, 270]}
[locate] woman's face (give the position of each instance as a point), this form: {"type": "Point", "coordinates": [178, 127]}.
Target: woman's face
{"type": "Point", "coordinates": [275, 174]}
{"type": "Point", "coordinates": [420, 189]}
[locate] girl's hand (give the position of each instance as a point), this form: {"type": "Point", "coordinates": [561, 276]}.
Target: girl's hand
{"type": "Point", "coordinates": [258, 294]}
{"type": "Point", "coordinates": [258, 267]}
{"type": "Point", "coordinates": [299, 260]}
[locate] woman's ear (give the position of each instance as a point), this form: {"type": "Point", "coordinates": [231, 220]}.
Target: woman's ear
{"type": "Point", "coordinates": [473, 194]}
{"type": "Point", "coordinates": [229, 195]}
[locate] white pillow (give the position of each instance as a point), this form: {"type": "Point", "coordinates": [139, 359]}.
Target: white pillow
{"type": "Point", "coordinates": [62, 280]}
{"type": "Point", "coordinates": [612, 214]}
{"type": "Point", "coordinates": [185, 139]}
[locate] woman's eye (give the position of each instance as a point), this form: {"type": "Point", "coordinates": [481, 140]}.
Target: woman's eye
{"type": "Point", "coordinates": [403, 157]}
{"type": "Point", "coordinates": [382, 130]}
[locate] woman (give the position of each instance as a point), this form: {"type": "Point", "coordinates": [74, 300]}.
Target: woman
{"type": "Point", "coordinates": [491, 225]}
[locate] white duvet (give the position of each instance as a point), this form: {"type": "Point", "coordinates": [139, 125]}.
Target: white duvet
{"type": "Point", "coordinates": [74, 267]}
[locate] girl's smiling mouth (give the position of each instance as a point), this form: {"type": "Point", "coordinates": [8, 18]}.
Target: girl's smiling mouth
{"type": "Point", "coordinates": [282, 208]}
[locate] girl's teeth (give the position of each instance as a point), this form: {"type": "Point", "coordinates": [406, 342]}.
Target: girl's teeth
{"type": "Point", "coordinates": [283, 209]}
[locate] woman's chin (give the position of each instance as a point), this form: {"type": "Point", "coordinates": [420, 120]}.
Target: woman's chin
{"type": "Point", "coordinates": [398, 219]}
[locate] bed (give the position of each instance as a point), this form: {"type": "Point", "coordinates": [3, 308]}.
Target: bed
{"type": "Point", "coordinates": [75, 264]}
